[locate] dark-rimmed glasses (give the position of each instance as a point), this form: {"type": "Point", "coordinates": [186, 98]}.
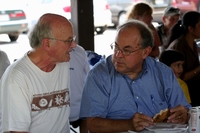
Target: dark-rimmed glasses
{"type": "Point", "coordinates": [69, 41]}
{"type": "Point", "coordinates": [125, 52]}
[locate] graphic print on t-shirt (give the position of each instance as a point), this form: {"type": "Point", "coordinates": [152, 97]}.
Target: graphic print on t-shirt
{"type": "Point", "coordinates": [50, 100]}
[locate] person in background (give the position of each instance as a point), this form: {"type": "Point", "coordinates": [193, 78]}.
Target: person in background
{"type": "Point", "coordinates": [182, 39]}
{"type": "Point", "coordinates": [79, 67]}
{"type": "Point", "coordinates": [143, 12]}
{"type": "Point", "coordinates": [34, 90]}
{"type": "Point", "coordinates": [170, 18]}
{"type": "Point", "coordinates": [4, 62]}
{"type": "Point", "coordinates": [124, 91]}
{"type": "Point", "coordinates": [175, 60]}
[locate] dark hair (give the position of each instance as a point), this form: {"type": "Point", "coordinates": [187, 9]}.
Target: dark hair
{"type": "Point", "coordinates": [190, 18]}
{"type": "Point", "coordinates": [170, 56]}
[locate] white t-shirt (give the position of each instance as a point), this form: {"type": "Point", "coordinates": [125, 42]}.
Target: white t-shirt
{"type": "Point", "coordinates": [4, 62]}
{"type": "Point", "coordinates": [33, 100]}
{"type": "Point", "coordinates": [79, 67]}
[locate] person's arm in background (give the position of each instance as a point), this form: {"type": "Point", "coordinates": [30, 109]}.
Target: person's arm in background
{"type": "Point", "coordinates": [191, 74]}
{"type": "Point", "coordinates": [155, 50]}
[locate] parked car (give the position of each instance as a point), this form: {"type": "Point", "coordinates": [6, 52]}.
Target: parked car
{"type": "Point", "coordinates": [38, 7]}
{"type": "Point", "coordinates": [13, 21]}
{"type": "Point", "coordinates": [120, 7]}
{"type": "Point", "coordinates": [186, 5]}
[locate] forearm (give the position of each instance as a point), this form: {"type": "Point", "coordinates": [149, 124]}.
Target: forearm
{"type": "Point", "coordinates": [191, 74]}
{"type": "Point", "coordinates": [155, 50]}
{"type": "Point", "coordinates": [101, 125]}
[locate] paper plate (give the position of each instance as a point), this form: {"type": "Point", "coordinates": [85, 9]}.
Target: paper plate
{"type": "Point", "coordinates": [168, 128]}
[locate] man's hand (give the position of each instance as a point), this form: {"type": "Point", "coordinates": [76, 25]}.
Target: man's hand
{"type": "Point", "coordinates": [179, 114]}
{"type": "Point", "coordinates": [140, 121]}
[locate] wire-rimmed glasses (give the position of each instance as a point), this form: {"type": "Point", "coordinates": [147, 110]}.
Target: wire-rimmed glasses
{"type": "Point", "coordinates": [69, 41]}
{"type": "Point", "coordinates": [125, 52]}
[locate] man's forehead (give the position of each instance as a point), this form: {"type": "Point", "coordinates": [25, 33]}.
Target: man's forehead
{"type": "Point", "coordinates": [129, 33]}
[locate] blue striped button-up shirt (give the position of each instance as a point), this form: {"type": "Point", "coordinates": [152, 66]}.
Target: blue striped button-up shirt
{"type": "Point", "coordinates": [109, 94]}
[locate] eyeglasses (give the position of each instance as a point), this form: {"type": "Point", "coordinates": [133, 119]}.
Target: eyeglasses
{"type": "Point", "coordinates": [69, 41]}
{"type": "Point", "coordinates": [123, 51]}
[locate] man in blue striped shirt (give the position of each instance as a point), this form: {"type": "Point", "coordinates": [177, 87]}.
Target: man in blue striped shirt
{"type": "Point", "coordinates": [124, 91]}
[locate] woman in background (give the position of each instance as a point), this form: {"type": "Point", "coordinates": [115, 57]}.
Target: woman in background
{"type": "Point", "coordinates": [182, 39]}
{"type": "Point", "coordinates": [143, 12]}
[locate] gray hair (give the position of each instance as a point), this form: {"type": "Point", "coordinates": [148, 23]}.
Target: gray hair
{"type": "Point", "coordinates": [145, 32]}
{"type": "Point", "coordinates": [41, 30]}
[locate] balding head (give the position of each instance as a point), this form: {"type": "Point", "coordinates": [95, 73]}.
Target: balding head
{"type": "Point", "coordinates": [49, 25]}
{"type": "Point", "coordinates": [146, 36]}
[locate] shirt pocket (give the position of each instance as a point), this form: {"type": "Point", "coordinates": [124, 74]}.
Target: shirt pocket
{"type": "Point", "coordinates": [158, 104]}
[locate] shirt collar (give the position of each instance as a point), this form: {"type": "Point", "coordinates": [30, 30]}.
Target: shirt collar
{"type": "Point", "coordinates": [143, 72]}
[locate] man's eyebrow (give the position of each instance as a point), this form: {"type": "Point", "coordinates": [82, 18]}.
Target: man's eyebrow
{"type": "Point", "coordinates": [127, 46]}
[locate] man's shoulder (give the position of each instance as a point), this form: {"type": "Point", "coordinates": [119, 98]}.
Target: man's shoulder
{"type": "Point", "coordinates": [79, 49]}
{"type": "Point", "coordinates": [78, 55]}
{"type": "Point", "coordinates": [156, 65]}
{"type": "Point", "coordinates": [2, 53]}
{"type": "Point", "coordinates": [104, 65]}
{"type": "Point", "coordinates": [150, 60]}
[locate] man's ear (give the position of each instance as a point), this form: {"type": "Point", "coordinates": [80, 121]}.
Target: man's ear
{"type": "Point", "coordinates": [163, 18]}
{"type": "Point", "coordinates": [146, 52]}
{"type": "Point", "coordinates": [46, 44]}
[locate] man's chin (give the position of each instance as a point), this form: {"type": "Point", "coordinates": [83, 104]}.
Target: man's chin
{"type": "Point", "coordinates": [66, 59]}
{"type": "Point", "coordinates": [119, 68]}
